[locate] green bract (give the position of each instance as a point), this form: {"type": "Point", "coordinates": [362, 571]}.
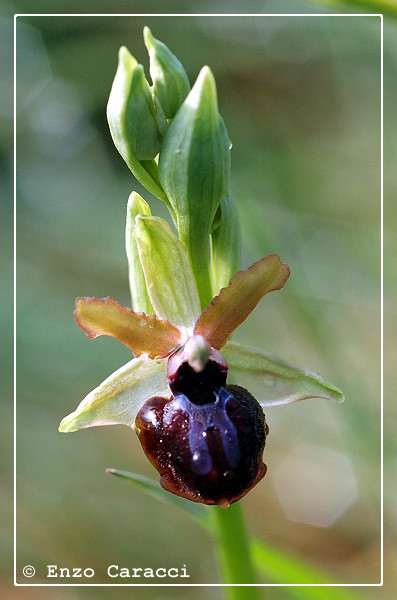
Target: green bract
{"type": "Point", "coordinates": [170, 82]}
{"type": "Point", "coordinates": [225, 243]}
{"type": "Point", "coordinates": [194, 170]}
{"type": "Point", "coordinates": [139, 296]}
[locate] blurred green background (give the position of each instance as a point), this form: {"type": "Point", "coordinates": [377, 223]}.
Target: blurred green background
{"type": "Point", "coordinates": [301, 100]}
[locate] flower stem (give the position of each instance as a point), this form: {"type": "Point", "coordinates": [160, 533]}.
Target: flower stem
{"type": "Point", "coordinates": [233, 552]}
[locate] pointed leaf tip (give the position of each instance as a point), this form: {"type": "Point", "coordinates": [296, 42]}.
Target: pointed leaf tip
{"type": "Point", "coordinates": [147, 35]}
{"type": "Point", "coordinates": [204, 94]}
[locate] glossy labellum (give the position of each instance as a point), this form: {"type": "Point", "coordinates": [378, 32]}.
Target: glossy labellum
{"type": "Point", "coordinates": [207, 439]}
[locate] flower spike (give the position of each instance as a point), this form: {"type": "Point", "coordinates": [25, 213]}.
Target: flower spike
{"type": "Point", "coordinates": [234, 303]}
{"type": "Point", "coordinates": [141, 333]}
{"type": "Point", "coordinates": [194, 399]}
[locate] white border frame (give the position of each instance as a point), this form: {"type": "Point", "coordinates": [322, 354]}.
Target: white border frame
{"type": "Point", "coordinates": [382, 320]}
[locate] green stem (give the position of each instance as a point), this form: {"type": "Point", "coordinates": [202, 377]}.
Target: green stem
{"type": "Point", "coordinates": [233, 551]}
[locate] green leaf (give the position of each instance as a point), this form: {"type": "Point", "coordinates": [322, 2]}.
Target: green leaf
{"type": "Point", "coordinates": [118, 399]}
{"type": "Point", "coordinates": [194, 170]}
{"type": "Point", "coordinates": [139, 296]}
{"type": "Point", "coordinates": [225, 244]}
{"type": "Point", "coordinates": [170, 82]}
{"type": "Point", "coordinates": [132, 124]}
{"type": "Point", "coordinates": [168, 273]}
{"type": "Point", "coordinates": [273, 381]}
{"type": "Point", "coordinates": [152, 488]}
{"type": "Point", "coordinates": [281, 567]}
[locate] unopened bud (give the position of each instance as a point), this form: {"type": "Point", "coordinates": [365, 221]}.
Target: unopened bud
{"type": "Point", "coordinates": [170, 82]}
{"type": "Point", "coordinates": [194, 170]}
{"type": "Point", "coordinates": [132, 121]}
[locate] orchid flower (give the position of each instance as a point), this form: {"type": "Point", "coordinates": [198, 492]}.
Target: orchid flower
{"type": "Point", "coordinates": [174, 391]}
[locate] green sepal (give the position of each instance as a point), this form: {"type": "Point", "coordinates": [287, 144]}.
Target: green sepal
{"type": "Point", "coordinates": [273, 381]}
{"type": "Point", "coordinates": [132, 122]}
{"type": "Point", "coordinates": [168, 274]}
{"type": "Point", "coordinates": [139, 296]}
{"type": "Point", "coordinates": [118, 399]}
{"type": "Point", "coordinates": [225, 244]}
{"type": "Point", "coordinates": [194, 171]}
{"type": "Point", "coordinates": [170, 82]}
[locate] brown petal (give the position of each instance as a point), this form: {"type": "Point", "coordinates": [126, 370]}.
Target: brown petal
{"type": "Point", "coordinates": [235, 302]}
{"type": "Point", "coordinates": [141, 333]}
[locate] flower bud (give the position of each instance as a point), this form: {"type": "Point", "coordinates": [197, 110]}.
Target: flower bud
{"type": "Point", "coordinates": [170, 82]}
{"type": "Point", "coordinates": [194, 170]}
{"type": "Point", "coordinates": [132, 121]}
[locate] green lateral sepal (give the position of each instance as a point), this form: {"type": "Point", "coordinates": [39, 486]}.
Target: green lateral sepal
{"type": "Point", "coordinates": [274, 381]}
{"type": "Point", "coordinates": [139, 296]}
{"type": "Point", "coordinates": [118, 399]}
